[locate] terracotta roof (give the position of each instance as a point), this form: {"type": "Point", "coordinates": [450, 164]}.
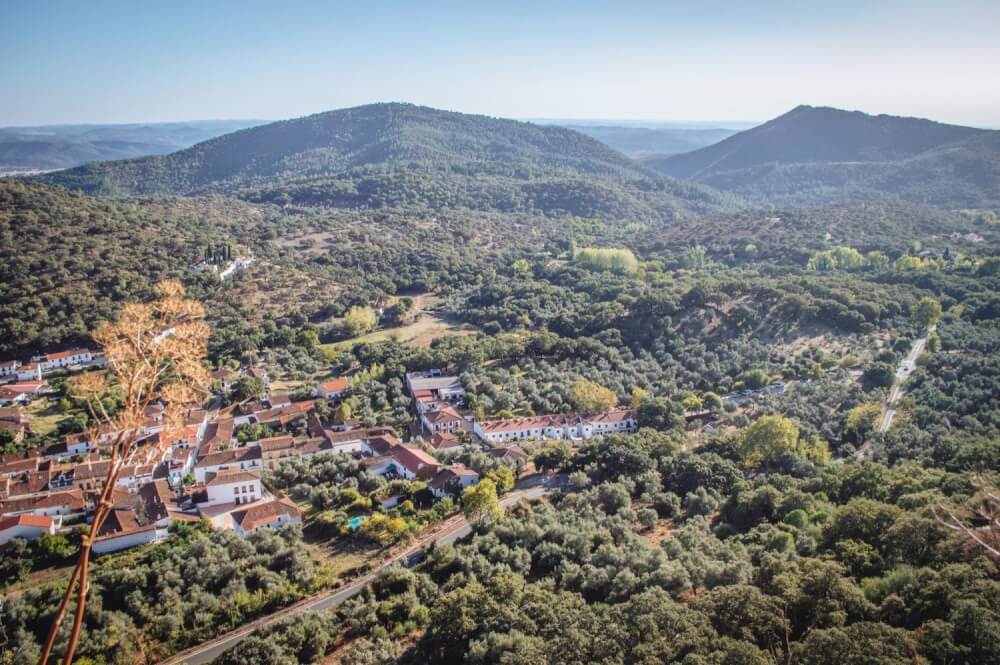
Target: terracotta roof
{"type": "Point", "coordinates": [527, 422]}
{"type": "Point", "coordinates": [445, 440]}
{"type": "Point", "coordinates": [450, 473]}
{"type": "Point", "coordinates": [335, 385]}
{"type": "Point", "coordinates": [413, 458]}
{"type": "Point", "coordinates": [73, 499]}
{"type": "Point", "coordinates": [219, 433]}
{"type": "Point", "coordinates": [126, 532]}
{"type": "Point", "coordinates": [511, 452]}
{"type": "Point", "coordinates": [40, 521]}
{"type": "Point", "coordinates": [59, 355]}
{"type": "Point", "coordinates": [19, 466]}
{"type": "Point", "coordinates": [276, 443]}
{"type": "Point", "coordinates": [284, 414]}
{"type": "Point", "coordinates": [233, 477]}
{"type": "Point", "coordinates": [443, 414]}
{"type": "Point", "coordinates": [118, 520]}
{"type": "Point", "coordinates": [157, 499]}
{"type": "Point", "coordinates": [612, 416]}
{"type": "Point", "coordinates": [244, 454]}
{"type": "Point", "coordinates": [264, 512]}
{"type": "Point", "coordinates": [26, 387]}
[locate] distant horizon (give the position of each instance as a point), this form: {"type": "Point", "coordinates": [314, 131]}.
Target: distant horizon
{"type": "Point", "coordinates": [636, 123]}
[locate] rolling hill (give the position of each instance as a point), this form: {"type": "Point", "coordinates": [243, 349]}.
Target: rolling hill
{"type": "Point", "coordinates": [394, 155]}
{"type": "Point", "coordinates": [816, 156]}
{"type": "Point", "coordinates": [63, 146]}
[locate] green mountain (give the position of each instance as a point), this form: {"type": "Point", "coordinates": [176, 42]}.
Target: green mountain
{"type": "Point", "coordinates": [814, 156]}
{"type": "Point", "coordinates": [393, 155]}
{"type": "Point", "coordinates": [63, 146]}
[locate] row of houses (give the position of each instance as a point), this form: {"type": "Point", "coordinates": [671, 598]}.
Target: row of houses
{"type": "Point", "coordinates": [437, 398]}
{"type": "Point", "coordinates": [14, 370]}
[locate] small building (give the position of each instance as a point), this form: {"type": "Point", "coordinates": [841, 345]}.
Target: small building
{"type": "Point", "coordinates": [454, 478]}
{"type": "Point", "coordinates": [445, 442]}
{"type": "Point", "coordinates": [9, 368]}
{"type": "Point", "coordinates": [443, 388]}
{"type": "Point", "coordinates": [224, 378]}
{"type": "Point", "coordinates": [238, 487]}
{"type": "Point", "coordinates": [26, 526]}
{"type": "Point", "coordinates": [247, 458]}
{"type": "Point", "coordinates": [443, 418]}
{"type": "Point", "coordinates": [410, 462]}
{"type": "Point", "coordinates": [333, 389]}
{"type": "Point", "coordinates": [272, 514]}
{"type": "Point", "coordinates": [29, 372]}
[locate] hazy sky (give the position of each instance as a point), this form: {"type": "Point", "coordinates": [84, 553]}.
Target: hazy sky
{"type": "Point", "coordinates": [135, 61]}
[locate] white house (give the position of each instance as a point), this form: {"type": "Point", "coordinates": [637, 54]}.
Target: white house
{"type": "Point", "coordinates": [238, 487]}
{"type": "Point", "coordinates": [63, 359]}
{"type": "Point", "coordinates": [456, 476]}
{"type": "Point", "coordinates": [67, 503]}
{"type": "Point", "coordinates": [9, 368]}
{"type": "Point", "coordinates": [27, 527]}
{"type": "Point", "coordinates": [556, 427]}
{"type": "Point", "coordinates": [444, 388]}
{"type": "Point", "coordinates": [409, 462]}
{"type": "Point", "coordinates": [444, 418]}
{"type": "Point", "coordinates": [29, 372]}
{"type": "Point", "coordinates": [234, 459]}
{"type": "Point", "coordinates": [272, 514]}
{"type": "Point", "coordinates": [123, 540]}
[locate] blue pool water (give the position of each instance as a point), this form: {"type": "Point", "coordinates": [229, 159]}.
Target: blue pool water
{"type": "Point", "coordinates": [355, 522]}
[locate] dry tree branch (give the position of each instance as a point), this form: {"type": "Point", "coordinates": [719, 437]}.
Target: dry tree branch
{"type": "Point", "coordinates": [977, 524]}
{"type": "Point", "coordinates": [155, 353]}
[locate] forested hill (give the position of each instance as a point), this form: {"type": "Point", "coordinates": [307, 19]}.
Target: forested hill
{"type": "Point", "coordinates": [399, 154]}
{"type": "Point", "coordinates": [814, 156]}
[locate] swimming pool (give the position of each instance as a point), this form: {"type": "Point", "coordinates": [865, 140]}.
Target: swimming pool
{"type": "Point", "coordinates": [355, 522]}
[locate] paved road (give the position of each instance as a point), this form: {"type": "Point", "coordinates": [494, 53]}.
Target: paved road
{"type": "Point", "coordinates": [451, 530]}
{"type": "Point", "coordinates": [903, 373]}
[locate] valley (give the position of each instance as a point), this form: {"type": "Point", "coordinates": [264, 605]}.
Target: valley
{"type": "Point", "coordinates": [436, 314]}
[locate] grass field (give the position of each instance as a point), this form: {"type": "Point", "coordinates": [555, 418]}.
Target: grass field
{"type": "Point", "coordinates": [420, 333]}
{"type": "Point", "coordinates": [45, 416]}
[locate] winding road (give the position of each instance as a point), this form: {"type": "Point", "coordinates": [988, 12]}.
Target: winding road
{"type": "Point", "coordinates": [447, 532]}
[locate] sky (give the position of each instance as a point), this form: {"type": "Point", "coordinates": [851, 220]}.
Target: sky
{"type": "Point", "coordinates": [149, 61]}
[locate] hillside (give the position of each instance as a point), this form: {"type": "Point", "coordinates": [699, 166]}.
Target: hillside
{"type": "Point", "coordinates": [398, 154]}
{"type": "Point", "coordinates": [816, 156]}
{"type": "Point", "coordinates": [63, 146]}
{"type": "Point", "coordinates": [637, 142]}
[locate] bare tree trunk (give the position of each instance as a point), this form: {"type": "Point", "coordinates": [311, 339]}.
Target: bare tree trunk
{"type": "Point", "coordinates": [57, 620]}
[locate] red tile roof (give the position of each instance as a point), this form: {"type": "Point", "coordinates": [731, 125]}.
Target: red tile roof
{"type": "Point", "coordinates": [265, 512]}
{"type": "Point", "coordinates": [335, 385]}
{"type": "Point", "coordinates": [413, 458]}
{"type": "Point", "coordinates": [40, 521]}
{"type": "Point", "coordinates": [234, 477]}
